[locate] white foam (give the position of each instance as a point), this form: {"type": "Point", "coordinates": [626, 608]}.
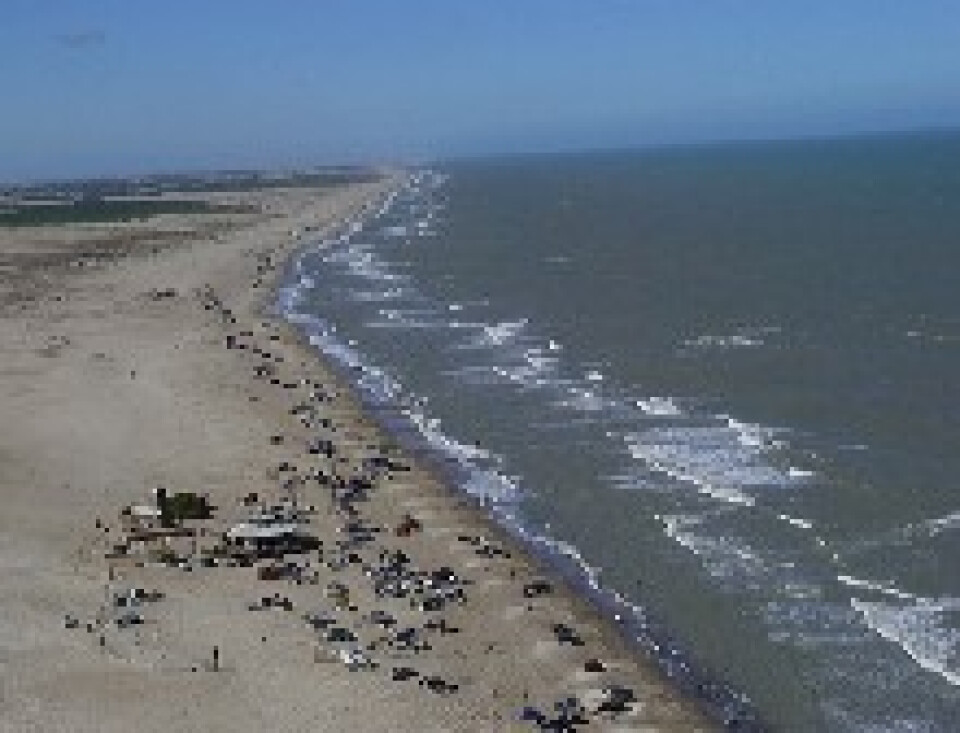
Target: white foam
{"type": "Point", "coordinates": [752, 435]}
{"type": "Point", "coordinates": [492, 486]}
{"type": "Point", "coordinates": [407, 318]}
{"type": "Point", "coordinates": [659, 407]}
{"type": "Point", "coordinates": [582, 399]}
{"type": "Point", "coordinates": [918, 629]}
{"type": "Point", "coordinates": [531, 370]}
{"type": "Point", "coordinates": [724, 558]}
{"type": "Point", "coordinates": [943, 524]}
{"type": "Point", "coordinates": [378, 296]}
{"type": "Point", "coordinates": [854, 447]}
{"type": "Point", "coordinates": [723, 341]}
{"type": "Point", "coordinates": [721, 456]}
{"type": "Point", "coordinates": [537, 359]}
{"type": "Point", "coordinates": [486, 479]}
{"type": "Point", "coordinates": [796, 521]}
{"type": "Point", "coordinates": [591, 573]}
{"type": "Point", "coordinates": [501, 333]}
{"type": "Point", "coordinates": [478, 374]}
{"type": "Point", "coordinates": [886, 589]}
{"type": "Point", "coordinates": [362, 262]}
{"type": "Point", "coordinates": [469, 325]}
{"type": "Point", "coordinates": [929, 528]}
{"type": "Point", "coordinates": [809, 622]}
{"type": "Point", "coordinates": [744, 337]}
{"type": "Point", "coordinates": [683, 456]}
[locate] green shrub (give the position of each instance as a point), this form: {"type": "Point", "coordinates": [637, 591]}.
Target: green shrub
{"type": "Point", "coordinates": [186, 505]}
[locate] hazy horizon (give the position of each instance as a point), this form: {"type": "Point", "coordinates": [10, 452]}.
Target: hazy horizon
{"type": "Point", "coordinates": [115, 88]}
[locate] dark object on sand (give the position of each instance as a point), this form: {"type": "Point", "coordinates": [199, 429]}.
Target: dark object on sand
{"type": "Point", "coordinates": [484, 548]}
{"type": "Point", "coordinates": [268, 541]}
{"type": "Point", "coordinates": [401, 674]}
{"type": "Point", "coordinates": [408, 526]}
{"type": "Point", "coordinates": [127, 619]}
{"type": "Point", "coordinates": [181, 506]}
{"type": "Point", "coordinates": [320, 621]}
{"type": "Point", "coordinates": [570, 715]}
{"type": "Point", "coordinates": [338, 634]}
{"type": "Point", "coordinates": [322, 447]}
{"type": "Point", "coordinates": [536, 588]}
{"type": "Point", "coordinates": [265, 370]}
{"type": "Point", "coordinates": [408, 639]}
{"type": "Point", "coordinates": [439, 686]}
{"type": "Point", "coordinates": [532, 715]}
{"type": "Point", "coordinates": [616, 699]}
{"type": "Point", "coordinates": [441, 626]}
{"type": "Point", "coordinates": [382, 618]}
{"type": "Point", "coordinates": [594, 665]}
{"type": "Point", "coordinates": [566, 635]}
{"type": "Point", "coordinates": [135, 597]}
{"type": "Point", "coordinates": [275, 602]}
{"type": "Point", "coordinates": [271, 572]}
{"type": "Point", "coordinates": [163, 506]}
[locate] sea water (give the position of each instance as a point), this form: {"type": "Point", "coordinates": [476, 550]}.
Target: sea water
{"type": "Point", "coordinates": [720, 381]}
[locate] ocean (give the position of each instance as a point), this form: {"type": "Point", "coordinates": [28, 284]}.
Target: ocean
{"type": "Point", "coordinates": [717, 385]}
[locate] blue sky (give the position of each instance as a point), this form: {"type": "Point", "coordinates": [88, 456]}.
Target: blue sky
{"type": "Point", "coordinates": [129, 85]}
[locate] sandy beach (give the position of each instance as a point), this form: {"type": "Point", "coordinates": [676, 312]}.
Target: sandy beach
{"type": "Point", "coordinates": [137, 356]}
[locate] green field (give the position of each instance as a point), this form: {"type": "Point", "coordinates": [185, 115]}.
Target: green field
{"type": "Point", "coordinates": [97, 211]}
{"type": "Point", "coordinates": [90, 200]}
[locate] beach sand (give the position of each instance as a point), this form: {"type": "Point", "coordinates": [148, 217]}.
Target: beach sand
{"type": "Point", "coordinates": [137, 356]}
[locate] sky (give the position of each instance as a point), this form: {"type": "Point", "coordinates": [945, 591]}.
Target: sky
{"type": "Point", "coordinates": [115, 86]}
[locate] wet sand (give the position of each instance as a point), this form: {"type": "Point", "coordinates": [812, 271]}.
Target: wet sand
{"type": "Point", "coordinates": [139, 356]}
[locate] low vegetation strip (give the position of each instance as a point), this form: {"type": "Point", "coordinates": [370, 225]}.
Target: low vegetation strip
{"type": "Point", "coordinates": [98, 211]}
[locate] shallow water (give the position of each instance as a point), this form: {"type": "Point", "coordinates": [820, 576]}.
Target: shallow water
{"type": "Point", "coordinates": [722, 378]}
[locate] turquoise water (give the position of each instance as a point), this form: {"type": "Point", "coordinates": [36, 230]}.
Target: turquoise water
{"type": "Point", "coordinates": [720, 377]}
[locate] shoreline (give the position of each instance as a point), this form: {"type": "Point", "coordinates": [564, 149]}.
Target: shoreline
{"type": "Point", "coordinates": [97, 369]}
{"type": "Point", "coordinates": [633, 629]}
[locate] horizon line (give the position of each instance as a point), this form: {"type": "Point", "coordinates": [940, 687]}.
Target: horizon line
{"type": "Point", "coordinates": [409, 161]}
